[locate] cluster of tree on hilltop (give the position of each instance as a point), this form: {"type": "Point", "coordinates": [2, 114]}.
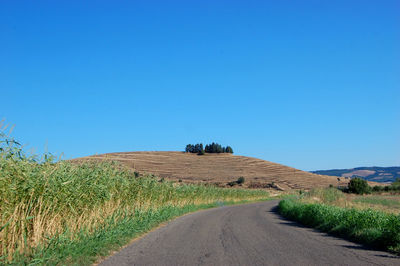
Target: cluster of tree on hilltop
{"type": "Point", "coordinates": [209, 148]}
{"type": "Point", "coordinates": [217, 148]}
{"type": "Point", "coordinates": [197, 148]}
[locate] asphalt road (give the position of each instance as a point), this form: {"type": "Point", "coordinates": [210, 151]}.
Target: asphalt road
{"type": "Point", "coordinates": [251, 234]}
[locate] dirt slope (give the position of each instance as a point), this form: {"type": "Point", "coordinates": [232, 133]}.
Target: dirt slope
{"type": "Point", "coordinates": [220, 168]}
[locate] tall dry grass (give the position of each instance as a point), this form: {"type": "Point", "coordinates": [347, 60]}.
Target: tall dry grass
{"type": "Point", "coordinates": [40, 199]}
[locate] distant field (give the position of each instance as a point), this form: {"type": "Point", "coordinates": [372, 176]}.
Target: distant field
{"type": "Point", "coordinates": [386, 202]}
{"type": "Point", "coordinates": [220, 169]}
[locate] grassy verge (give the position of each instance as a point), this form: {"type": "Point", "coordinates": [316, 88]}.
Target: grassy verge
{"type": "Point", "coordinates": [70, 213]}
{"type": "Point", "coordinates": [367, 226]}
{"type": "Point", "coordinates": [87, 247]}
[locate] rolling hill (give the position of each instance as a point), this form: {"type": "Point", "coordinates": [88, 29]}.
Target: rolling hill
{"type": "Point", "coordinates": [376, 174]}
{"type": "Point", "coordinates": [219, 169]}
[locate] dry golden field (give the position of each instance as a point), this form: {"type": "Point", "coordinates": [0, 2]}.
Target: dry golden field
{"type": "Point", "coordinates": [220, 169]}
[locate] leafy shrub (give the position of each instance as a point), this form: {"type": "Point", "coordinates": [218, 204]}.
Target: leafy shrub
{"type": "Point", "coordinates": [228, 149]}
{"type": "Point", "coordinates": [359, 186]}
{"type": "Point", "coordinates": [237, 182]}
{"type": "Point", "coordinates": [395, 187]}
{"type": "Point", "coordinates": [378, 188]}
{"type": "Point", "coordinates": [240, 180]}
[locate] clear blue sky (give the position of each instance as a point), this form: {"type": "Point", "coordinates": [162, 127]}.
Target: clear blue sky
{"type": "Point", "coordinates": [310, 84]}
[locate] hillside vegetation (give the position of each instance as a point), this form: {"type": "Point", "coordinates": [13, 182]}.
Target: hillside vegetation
{"type": "Point", "coordinates": [70, 213]}
{"type": "Point", "coordinates": [219, 169]}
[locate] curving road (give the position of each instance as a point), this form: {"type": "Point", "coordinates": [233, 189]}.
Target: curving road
{"type": "Point", "coordinates": [251, 234]}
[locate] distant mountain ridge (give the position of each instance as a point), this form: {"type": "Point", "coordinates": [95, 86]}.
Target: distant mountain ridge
{"type": "Point", "coordinates": [374, 173]}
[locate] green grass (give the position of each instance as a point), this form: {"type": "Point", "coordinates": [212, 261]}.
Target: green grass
{"type": "Point", "coordinates": [370, 227]}
{"type": "Point", "coordinates": [388, 201]}
{"type": "Point", "coordinates": [71, 213]}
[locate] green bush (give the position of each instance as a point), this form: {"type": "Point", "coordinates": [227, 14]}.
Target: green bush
{"type": "Point", "coordinates": [378, 188]}
{"type": "Point", "coordinates": [237, 182]}
{"type": "Point", "coordinates": [240, 180]}
{"type": "Point", "coordinates": [395, 187]}
{"type": "Point", "coordinates": [359, 186]}
{"type": "Point", "coordinates": [228, 149]}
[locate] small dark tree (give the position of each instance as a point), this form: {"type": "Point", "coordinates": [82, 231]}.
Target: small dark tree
{"type": "Point", "coordinates": [201, 152]}
{"type": "Point", "coordinates": [213, 148]}
{"type": "Point", "coordinates": [229, 149]}
{"type": "Point", "coordinates": [197, 148]}
{"type": "Point", "coordinates": [377, 188]}
{"type": "Point", "coordinates": [240, 180]}
{"type": "Point", "coordinates": [359, 186]}
{"type": "Point", "coordinates": [219, 148]}
{"type": "Point", "coordinates": [187, 149]}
